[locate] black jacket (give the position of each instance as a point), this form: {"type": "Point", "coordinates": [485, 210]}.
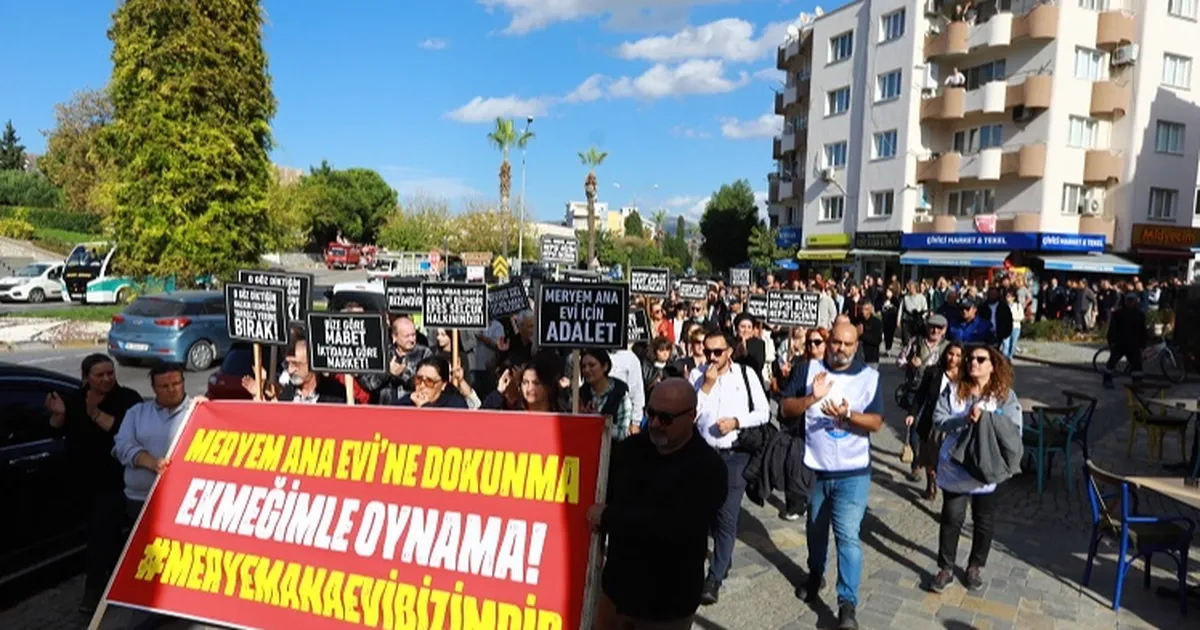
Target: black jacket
{"type": "Point", "coordinates": [1004, 322]}
{"type": "Point", "coordinates": [872, 336]}
{"type": "Point", "coordinates": [1127, 329]}
{"type": "Point", "coordinates": [926, 400]}
{"type": "Point", "coordinates": [448, 399]}
{"type": "Point", "coordinates": [328, 391]}
{"type": "Point", "coordinates": [89, 447]}
{"type": "Point", "coordinates": [779, 465]}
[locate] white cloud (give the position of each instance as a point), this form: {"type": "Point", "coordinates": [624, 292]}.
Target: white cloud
{"type": "Point", "coordinates": [770, 75]}
{"type": "Point", "coordinates": [592, 89]}
{"type": "Point", "coordinates": [764, 126]}
{"type": "Point", "coordinates": [488, 109]}
{"type": "Point", "coordinates": [682, 131]}
{"type": "Point", "coordinates": [692, 206]}
{"type": "Point", "coordinates": [533, 15]}
{"type": "Point", "coordinates": [410, 182]}
{"type": "Point", "coordinates": [698, 76]}
{"type": "Point", "coordinates": [434, 43]}
{"type": "Point", "coordinates": [730, 39]}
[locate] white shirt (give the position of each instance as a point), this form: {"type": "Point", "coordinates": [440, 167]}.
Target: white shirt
{"type": "Point", "coordinates": [728, 399]}
{"type": "Point", "coordinates": [627, 367]}
{"type": "Point", "coordinates": [830, 445]}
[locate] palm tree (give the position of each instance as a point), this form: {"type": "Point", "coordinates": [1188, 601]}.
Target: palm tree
{"type": "Point", "coordinates": [659, 217]}
{"type": "Point", "coordinates": [591, 159]}
{"type": "Point", "coordinates": [504, 137]}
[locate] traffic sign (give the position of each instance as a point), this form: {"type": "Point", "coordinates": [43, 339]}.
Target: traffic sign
{"type": "Point", "coordinates": [500, 267]}
{"type": "Point", "coordinates": [435, 257]}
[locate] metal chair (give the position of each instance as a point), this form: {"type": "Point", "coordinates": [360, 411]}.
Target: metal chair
{"type": "Point", "coordinates": [1156, 425]}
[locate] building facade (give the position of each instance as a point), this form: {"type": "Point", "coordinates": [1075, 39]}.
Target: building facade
{"type": "Point", "coordinates": [1008, 133]}
{"type": "Point", "coordinates": [606, 220]}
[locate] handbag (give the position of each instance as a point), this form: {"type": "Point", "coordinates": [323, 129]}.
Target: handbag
{"type": "Point", "coordinates": [906, 454]}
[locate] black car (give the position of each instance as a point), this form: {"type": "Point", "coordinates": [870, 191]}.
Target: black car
{"type": "Point", "coordinates": [43, 507]}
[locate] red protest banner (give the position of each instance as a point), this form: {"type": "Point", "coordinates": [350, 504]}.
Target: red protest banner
{"type": "Point", "coordinates": [307, 516]}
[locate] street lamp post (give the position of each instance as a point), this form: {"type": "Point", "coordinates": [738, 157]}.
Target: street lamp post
{"type": "Point", "coordinates": [521, 226]}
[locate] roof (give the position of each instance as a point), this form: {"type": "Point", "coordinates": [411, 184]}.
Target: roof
{"type": "Point", "coordinates": [9, 370]}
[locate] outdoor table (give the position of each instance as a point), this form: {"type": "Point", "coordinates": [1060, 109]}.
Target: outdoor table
{"type": "Point", "coordinates": [1028, 404]}
{"type": "Point", "coordinates": [1174, 488]}
{"type": "Point", "coordinates": [1191, 406]}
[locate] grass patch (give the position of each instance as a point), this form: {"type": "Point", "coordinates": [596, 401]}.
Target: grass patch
{"type": "Point", "coordinates": [61, 241]}
{"type": "Point", "coordinates": [85, 313]}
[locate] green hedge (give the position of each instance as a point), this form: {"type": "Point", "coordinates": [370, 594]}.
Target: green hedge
{"type": "Point", "coordinates": [56, 219]}
{"type": "Point", "coordinates": [19, 188]}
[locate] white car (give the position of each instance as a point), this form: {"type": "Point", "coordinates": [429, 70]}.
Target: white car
{"type": "Point", "coordinates": [34, 284]}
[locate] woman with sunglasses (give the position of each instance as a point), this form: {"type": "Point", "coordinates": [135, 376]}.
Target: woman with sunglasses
{"type": "Point", "coordinates": [430, 387]}
{"type": "Point", "coordinates": [924, 441]}
{"type": "Point", "coordinates": [984, 392]}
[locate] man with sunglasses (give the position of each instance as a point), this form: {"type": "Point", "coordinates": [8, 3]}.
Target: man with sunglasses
{"type": "Point", "coordinates": [841, 404]}
{"type": "Point", "coordinates": [730, 397]}
{"type": "Point", "coordinates": [664, 489]}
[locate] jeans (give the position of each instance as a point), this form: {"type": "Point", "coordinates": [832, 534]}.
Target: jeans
{"type": "Point", "coordinates": [724, 532]}
{"type": "Point", "coordinates": [842, 502]}
{"type": "Point", "coordinates": [954, 512]}
{"type": "Point", "coordinates": [1009, 346]}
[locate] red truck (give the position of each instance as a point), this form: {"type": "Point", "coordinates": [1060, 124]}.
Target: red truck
{"type": "Point", "coordinates": [341, 256]}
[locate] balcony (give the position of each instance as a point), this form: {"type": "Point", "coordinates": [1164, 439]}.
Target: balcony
{"type": "Point", "coordinates": [779, 103]}
{"type": "Point", "coordinates": [787, 53]}
{"type": "Point", "coordinates": [1109, 99]}
{"type": "Point", "coordinates": [953, 40]}
{"type": "Point", "coordinates": [1040, 23]}
{"type": "Point", "coordinates": [946, 106]}
{"type": "Point", "coordinates": [789, 141]}
{"type": "Point", "coordinates": [1027, 162]}
{"type": "Point", "coordinates": [1098, 224]}
{"type": "Point", "coordinates": [773, 188]}
{"type": "Point", "coordinates": [1114, 28]}
{"type": "Point", "coordinates": [941, 224]}
{"type": "Point", "coordinates": [1019, 222]}
{"type": "Point", "coordinates": [942, 169]}
{"type": "Point", "coordinates": [791, 94]}
{"type": "Point", "coordinates": [781, 58]}
{"type": "Point", "coordinates": [777, 149]}
{"type": "Point", "coordinates": [1033, 93]}
{"type": "Point", "coordinates": [1101, 167]}
{"type": "Point", "coordinates": [787, 189]}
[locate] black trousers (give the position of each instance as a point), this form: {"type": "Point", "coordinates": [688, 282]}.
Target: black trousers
{"type": "Point", "coordinates": [107, 522]}
{"type": "Point", "coordinates": [1131, 353]}
{"type": "Point", "coordinates": [954, 513]}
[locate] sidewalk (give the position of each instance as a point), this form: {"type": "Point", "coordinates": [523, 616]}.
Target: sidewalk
{"type": "Point", "coordinates": [20, 331]}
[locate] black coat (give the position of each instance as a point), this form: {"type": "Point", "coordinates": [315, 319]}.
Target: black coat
{"type": "Point", "coordinates": [926, 400]}
{"type": "Point", "coordinates": [1004, 322]}
{"type": "Point", "coordinates": [779, 465]}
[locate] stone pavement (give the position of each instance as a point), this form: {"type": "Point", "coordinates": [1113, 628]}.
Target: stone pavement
{"type": "Point", "coordinates": [1032, 575]}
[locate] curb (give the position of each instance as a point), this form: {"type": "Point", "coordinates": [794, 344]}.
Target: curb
{"type": "Point", "coordinates": [1066, 366]}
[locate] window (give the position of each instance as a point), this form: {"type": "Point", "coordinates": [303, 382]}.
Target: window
{"type": "Point", "coordinates": [887, 86]}
{"type": "Point", "coordinates": [800, 121]}
{"type": "Point", "coordinates": [1182, 8]}
{"type": "Point", "coordinates": [1177, 71]}
{"type": "Point", "coordinates": [1089, 64]}
{"type": "Point", "coordinates": [976, 139]}
{"type": "Point", "coordinates": [841, 46]}
{"type": "Point", "coordinates": [1078, 200]}
{"type": "Point", "coordinates": [882, 203]}
{"type": "Point", "coordinates": [986, 73]}
{"type": "Point", "coordinates": [835, 155]}
{"type": "Point", "coordinates": [1168, 137]}
{"type": "Point", "coordinates": [1162, 203]}
{"type": "Point", "coordinates": [968, 203]}
{"type": "Point", "coordinates": [884, 146]}
{"type": "Point", "coordinates": [838, 101]}
{"type": "Point", "coordinates": [891, 26]}
{"type": "Point", "coordinates": [794, 216]}
{"type": "Point", "coordinates": [1094, 5]}
{"type": "Point", "coordinates": [1082, 133]}
{"type": "Point", "coordinates": [833, 208]}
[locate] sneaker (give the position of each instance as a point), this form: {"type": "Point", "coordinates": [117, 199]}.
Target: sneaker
{"type": "Point", "coordinates": [710, 595]}
{"type": "Point", "coordinates": [847, 617]}
{"type": "Point", "coordinates": [789, 516]}
{"type": "Point", "coordinates": [941, 581]}
{"type": "Point", "coordinates": [809, 591]}
{"type": "Point", "coordinates": [974, 579]}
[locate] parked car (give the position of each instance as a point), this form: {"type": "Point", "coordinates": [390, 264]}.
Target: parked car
{"type": "Point", "coordinates": [45, 510]}
{"type": "Point", "coordinates": [187, 327]}
{"type": "Point", "coordinates": [34, 283]}
{"type": "Point", "coordinates": [226, 382]}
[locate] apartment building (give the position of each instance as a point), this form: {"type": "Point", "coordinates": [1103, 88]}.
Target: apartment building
{"type": "Point", "coordinates": [609, 221]}
{"type": "Point", "coordinates": [1020, 132]}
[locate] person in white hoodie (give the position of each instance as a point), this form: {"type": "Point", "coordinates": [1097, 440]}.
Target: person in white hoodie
{"type": "Point", "coordinates": [827, 308]}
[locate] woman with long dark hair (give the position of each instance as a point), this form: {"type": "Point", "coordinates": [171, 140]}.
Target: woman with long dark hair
{"type": "Point", "coordinates": [922, 438]}
{"type": "Point", "coordinates": [985, 387]}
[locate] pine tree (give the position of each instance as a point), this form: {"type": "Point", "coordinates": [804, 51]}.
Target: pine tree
{"type": "Point", "coordinates": [189, 143]}
{"type": "Point", "coordinates": [12, 152]}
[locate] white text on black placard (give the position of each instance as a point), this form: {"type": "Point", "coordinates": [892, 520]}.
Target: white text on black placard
{"type": "Point", "coordinates": [739, 277]}
{"type": "Point", "coordinates": [756, 305]}
{"type": "Point", "coordinates": [297, 286]}
{"type": "Point", "coordinates": [693, 290]}
{"type": "Point", "coordinates": [650, 281]}
{"type": "Point", "coordinates": [404, 297]}
{"type": "Point", "coordinates": [583, 316]}
{"type": "Point", "coordinates": [793, 308]}
{"type": "Point", "coordinates": [347, 343]}
{"type": "Point", "coordinates": [507, 299]}
{"type": "Point", "coordinates": [454, 305]}
{"type": "Point", "coordinates": [559, 250]}
{"type": "Point", "coordinates": [256, 314]}
{"type": "Point", "coordinates": [639, 326]}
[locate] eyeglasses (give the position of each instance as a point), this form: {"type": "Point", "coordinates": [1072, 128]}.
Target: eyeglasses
{"type": "Point", "coordinates": [426, 381]}
{"type": "Point", "coordinates": [714, 352]}
{"type": "Point", "coordinates": [816, 343]}
{"type": "Point", "coordinates": [981, 359]}
{"type": "Point", "coordinates": [665, 418]}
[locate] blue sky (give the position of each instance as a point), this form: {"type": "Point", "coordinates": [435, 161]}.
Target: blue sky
{"type": "Point", "coordinates": [677, 91]}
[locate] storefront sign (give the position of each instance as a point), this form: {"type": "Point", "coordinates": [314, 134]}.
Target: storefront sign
{"type": "Point", "coordinates": [1165, 236]}
{"type": "Point", "coordinates": [964, 241]}
{"type": "Point", "coordinates": [788, 237]}
{"type": "Point", "coordinates": [1053, 242]}
{"type": "Point", "coordinates": [827, 240]}
{"type": "Point", "coordinates": [888, 241]}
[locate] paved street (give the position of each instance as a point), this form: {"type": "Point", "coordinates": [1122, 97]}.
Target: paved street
{"type": "Point", "coordinates": [66, 361]}
{"type": "Point", "coordinates": [1032, 576]}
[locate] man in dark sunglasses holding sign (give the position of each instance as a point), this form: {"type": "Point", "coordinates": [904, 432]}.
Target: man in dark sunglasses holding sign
{"type": "Point", "coordinates": [665, 486]}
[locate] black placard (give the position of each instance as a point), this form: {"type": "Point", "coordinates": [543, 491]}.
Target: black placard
{"type": "Point", "coordinates": [507, 299]}
{"type": "Point", "coordinates": [650, 281]}
{"type": "Point", "coordinates": [575, 275]}
{"type": "Point", "coordinates": [583, 315]}
{"type": "Point", "coordinates": [739, 277]}
{"type": "Point", "coordinates": [887, 241]}
{"type": "Point", "coordinates": [404, 296]}
{"type": "Point", "coordinates": [639, 326]}
{"type": "Point", "coordinates": [256, 314]}
{"type": "Point", "coordinates": [348, 343]}
{"type": "Point", "coordinates": [693, 290]}
{"type": "Point", "coordinates": [793, 308]}
{"type": "Point", "coordinates": [559, 250]}
{"type": "Point", "coordinates": [756, 305]}
{"type": "Point", "coordinates": [298, 287]}
{"type": "Point", "coordinates": [458, 305]}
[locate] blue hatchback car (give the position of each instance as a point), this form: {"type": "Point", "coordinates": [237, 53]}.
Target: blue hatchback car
{"type": "Point", "coordinates": [186, 327]}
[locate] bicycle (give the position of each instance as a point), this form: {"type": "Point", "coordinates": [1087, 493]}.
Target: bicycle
{"type": "Point", "coordinates": [1169, 359]}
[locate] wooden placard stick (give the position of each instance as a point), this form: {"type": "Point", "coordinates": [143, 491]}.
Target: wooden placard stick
{"type": "Point", "coordinates": [273, 368]}
{"type": "Point", "coordinates": [258, 372]}
{"type": "Point", "coordinates": [349, 389]}
{"type": "Point", "coordinates": [575, 381]}
{"type": "Point", "coordinates": [453, 349]}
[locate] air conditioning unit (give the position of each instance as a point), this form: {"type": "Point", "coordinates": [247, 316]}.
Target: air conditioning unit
{"type": "Point", "coordinates": [1091, 208]}
{"type": "Point", "coordinates": [932, 8]}
{"type": "Point", "coordinates": [923, 218]}
{"type": "Point", "coordinates": [1125, 55]}
{"type": "Point", "coordinates": [827, 174]}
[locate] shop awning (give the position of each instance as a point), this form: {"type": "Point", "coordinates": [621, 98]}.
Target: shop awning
{"type": "Point", "coordinates": [787, 264]}
{"type": "Point", "coordinates": [1091, 263]}
{"type": "Point", "coordinates": [876, 253]}
{"type": "Point", "coordinates": [954, 259]}
{"type": "Point", "coordinates": [822, 254]}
